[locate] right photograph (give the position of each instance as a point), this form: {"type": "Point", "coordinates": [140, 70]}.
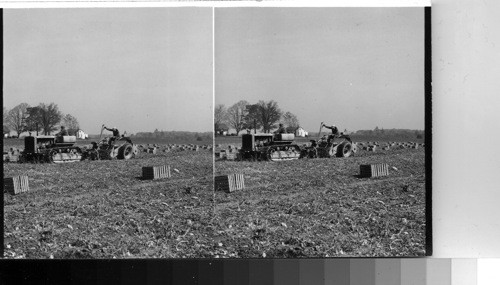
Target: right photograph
{"type": "Point", "coordinates": [320, 119]}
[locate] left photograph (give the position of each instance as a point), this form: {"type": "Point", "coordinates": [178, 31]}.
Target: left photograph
{"type": "Point", "coordinates": [108, 132]}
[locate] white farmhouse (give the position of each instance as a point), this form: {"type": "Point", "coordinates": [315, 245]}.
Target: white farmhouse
{"type": "Point", "coordinates": [81, 135]}
{"type": "Point", "coordinates": [300, 132]}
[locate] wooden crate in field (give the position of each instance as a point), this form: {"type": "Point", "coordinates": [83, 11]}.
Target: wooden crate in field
{"type": "Point", "coordinates": [229, 183]}
{"type": "Point", "coordinates": [374, 170]}
{"type": "Point", "coordinates": [17, 184]}
{"type": "Point", "coordinates": [156, 172]}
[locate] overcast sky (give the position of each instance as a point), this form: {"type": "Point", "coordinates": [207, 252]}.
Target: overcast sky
{"type": "Point", "coordinates": [137, 69]}
{"type": "Point", "coordinates": [357, 68]}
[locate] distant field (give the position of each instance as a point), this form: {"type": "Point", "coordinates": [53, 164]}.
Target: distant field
{"type": "Point", "coordinates": [19, 143]}
{"type": "Point", "coordinates": [103, 209]}
{"type": "Point", "coordinates": [321, 208]}
{"type": "Point", "coordinates": [237, 139]}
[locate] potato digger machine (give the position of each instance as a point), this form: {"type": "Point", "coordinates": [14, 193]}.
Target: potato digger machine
{"type": "Point", "coordinates": [281, 147]}
{"type": "Point", "coordinates": [62, 149]}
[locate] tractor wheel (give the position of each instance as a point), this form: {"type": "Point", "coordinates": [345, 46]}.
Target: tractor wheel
{"type": "Point", "coordinates": [331, 151]}
{"type": "Point", "coordinates": [113, 153]}
{"type": "Point", "coordinates": [344, 149]}
{"type": "Point", "coordinates": [126, 151]}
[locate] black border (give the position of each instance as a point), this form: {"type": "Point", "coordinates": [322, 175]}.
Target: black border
{"type": "Point", "coordinates": [428, 132]}
{"type": "Point", "coordinates": [1, 91]}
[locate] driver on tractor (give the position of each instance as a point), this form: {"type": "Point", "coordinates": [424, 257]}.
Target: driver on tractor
{"type": "Point", "coordinates": [334, 134]}
{"type": "Point", "coordinates": [63, 132]}
{"type": "Point", "coordinates": [116, 134]}
{"type": "Point", "coordinates": [281, 129]}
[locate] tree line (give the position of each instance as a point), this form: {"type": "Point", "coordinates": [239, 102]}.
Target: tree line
{"type": "Point", "coordinates": [43, 119]}
{"type": "Point", "coordinates": [380, 133]}
{"type": "Point", "coordinates": [263, 115]}
{"type": "Point", "coordinates": [204, 136]}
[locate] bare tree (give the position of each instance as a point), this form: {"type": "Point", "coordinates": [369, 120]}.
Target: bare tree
{"type": "Point", "coordinates": [290, 121]}
{"type": "Point", "coordinates": [50, 117]}
{"type": "Point", "coordinates": [6, 129]}
{"type": "Point", "coordinates": [71, 124]}
{"type": "Point", "coordinates": [252, 117]}
{"type": "Point", "coordinates": [236, 114]}
{"type": "Point", "coordinates": [269, 114]}
{"type": "Point", "coordinates": [5, 114]}
{"type": "Point", "coordinates": [33, 120]}
{"type": "Point", "coordinates": [16, 118]}
{"type": "Point", "coordinates": [220, 115]}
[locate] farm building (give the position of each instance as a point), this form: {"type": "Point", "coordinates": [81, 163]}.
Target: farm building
{"type": "Point", "coordinates": [300, 132]}
{"type": "Point", "coordinates": [6, 132]}
{"type": "Point", "coordinates": [221, 129]}
{"type": "Point", "coordinates": [81, 135]}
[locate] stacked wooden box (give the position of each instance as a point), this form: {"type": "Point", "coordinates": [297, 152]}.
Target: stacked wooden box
{"type": "Point", "coordinates": [12, 155]}
{"type": "Point", "coordinates": [374, 170]}
{"type": "Point", "coordinates": [156, 172]}
{"type": "Point", "coordinates": [17, 184]}
{"type": "Point", "coordinates": [229, 183]}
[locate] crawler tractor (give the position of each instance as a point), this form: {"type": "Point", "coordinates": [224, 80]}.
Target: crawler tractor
{"type": "Point", "coordinates": [50, 149]}
{"type": "Point", "coordinates": [274, 147]}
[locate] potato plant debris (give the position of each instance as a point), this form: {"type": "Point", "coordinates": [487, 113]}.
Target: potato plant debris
{"type": "Point", "coordinates": [103, 209]}
{"type": "Point", "coordinates": [321, 207]}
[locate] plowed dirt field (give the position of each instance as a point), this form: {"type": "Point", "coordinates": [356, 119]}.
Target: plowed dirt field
{"type": "Point", "coordinates": [103, 209]}
{"type": "Point", "coordinates": [322, 208]}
